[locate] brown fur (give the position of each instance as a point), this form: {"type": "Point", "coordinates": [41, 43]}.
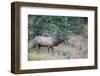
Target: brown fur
{"type": "Point", "coordinates": [48, 42]}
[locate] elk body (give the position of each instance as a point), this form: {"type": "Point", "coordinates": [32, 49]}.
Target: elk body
{"type": "Point", "coordinates": [49, 42]}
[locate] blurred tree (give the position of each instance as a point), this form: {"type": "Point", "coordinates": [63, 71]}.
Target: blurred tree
{"type": "Point", "coordinates": [54, 25]}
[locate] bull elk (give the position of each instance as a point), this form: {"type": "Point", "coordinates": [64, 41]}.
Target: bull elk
{"type": "Point", "coordinates": [49, 42]}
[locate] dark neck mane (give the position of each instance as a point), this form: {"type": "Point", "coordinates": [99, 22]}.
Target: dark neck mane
{"type": "Point", "coordinates": [57, 42]}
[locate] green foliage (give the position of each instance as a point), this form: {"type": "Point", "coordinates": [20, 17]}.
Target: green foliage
{"type": "Point", "coordinates": [54, 25]}
{"type": "Point", "coordinates": [68, 55]}
{"type": "Point", "coordinates": [75, 24]}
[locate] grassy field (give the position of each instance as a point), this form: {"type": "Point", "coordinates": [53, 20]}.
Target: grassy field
{"type": "Point", "coordinates": [75, 48]}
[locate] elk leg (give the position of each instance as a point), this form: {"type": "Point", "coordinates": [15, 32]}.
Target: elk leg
{"type": "Point", "coordinates": [38, 46]}
{"type": "Point", "coordinates": [48, 49]}
{"type": "Point", "coordinates": [52, 49]}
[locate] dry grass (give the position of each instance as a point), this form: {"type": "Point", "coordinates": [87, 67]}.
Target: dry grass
{"type": "Point", "coordinates": [77, 48]}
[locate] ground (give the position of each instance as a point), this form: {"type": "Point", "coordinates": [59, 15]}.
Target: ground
{"type": "Point", "coordinates": [75, 48]}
